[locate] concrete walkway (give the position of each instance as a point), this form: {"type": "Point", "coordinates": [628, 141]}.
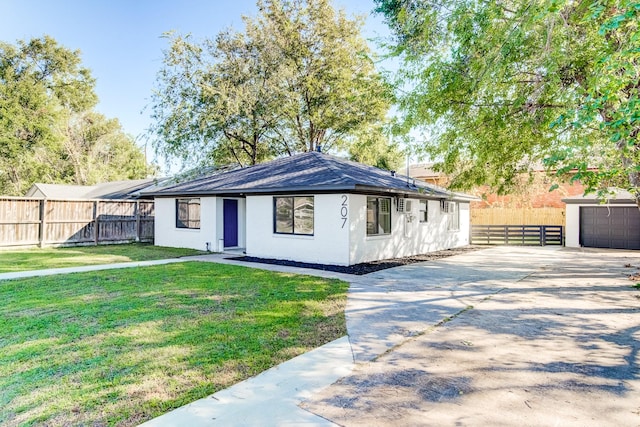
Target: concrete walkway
{"type": "Point", "coordinates": [272, 397]}
{"type": "Point", "coordinates": [557, 347]}
{"type": "Point", "coordinates": [384, 309]}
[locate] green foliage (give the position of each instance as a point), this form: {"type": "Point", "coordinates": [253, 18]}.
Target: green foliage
{"type": "Point", "coordinates": [372, 147]}
{"type": "Point", "coordinates": [39, 81]}
{"type": "Point", "coordinates": [119, 347]}
{"type": "Point", "coordinates": [501, 86]}
{"type": "Point", "coordinates": [43, 91]}
{"type": "Point", "coordinates": [299, 76]}
{"type": "Point", "coordinates": [96, 150]}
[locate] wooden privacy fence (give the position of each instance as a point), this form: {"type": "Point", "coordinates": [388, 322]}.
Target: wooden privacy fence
{"type": "Point", "coordinates": [29, 221]}
{"type": "Point", "coordinates": [519, 216]}
{"type": "Point", "coordinates": [534, 235]}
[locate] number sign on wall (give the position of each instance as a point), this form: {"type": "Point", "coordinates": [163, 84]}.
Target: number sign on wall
{"type": "Point", "coordinates": [344, 210]}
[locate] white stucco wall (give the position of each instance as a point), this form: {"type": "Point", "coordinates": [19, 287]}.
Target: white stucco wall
{"type": "Point", "coordinates": [211, 224]}
{"type": "Point", "coordinates": [328, 245]}
{"type": "Point", "coordinates": [572, 226]}
{"type": "Point", "coordinates": [167, 234]}
{"type": "Point", "coordinates": [339, 230]}
{"type": "Point", "coordinates": [419, 237]}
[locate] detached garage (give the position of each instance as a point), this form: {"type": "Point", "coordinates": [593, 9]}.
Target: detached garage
{"type": "Point", "coordinates": [613, 225]}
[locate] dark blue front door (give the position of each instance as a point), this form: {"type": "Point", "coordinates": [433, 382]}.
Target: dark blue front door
{"type": "Point", "coordinates": [230, 220]}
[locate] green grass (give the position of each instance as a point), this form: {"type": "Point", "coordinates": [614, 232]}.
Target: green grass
{"type": "Point", "coordinates": [119, 347]}
{"type": "Point", "coordinates": [38, 259]}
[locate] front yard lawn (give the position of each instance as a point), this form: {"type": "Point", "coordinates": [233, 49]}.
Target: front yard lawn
{"type": "Point", "coordinates": [38, 259]}
{"type": "Point", "coordinates": [119, 347]}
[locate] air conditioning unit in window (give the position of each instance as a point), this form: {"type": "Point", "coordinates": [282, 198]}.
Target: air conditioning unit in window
{"type": "Point", "coordinates": [404, 205]}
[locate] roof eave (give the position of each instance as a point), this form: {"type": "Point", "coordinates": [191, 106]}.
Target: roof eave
{"type": "Point", "coordinates": [358, 188]}
{"type": "Point", "coordinates": [249, 191]}
{"type": "Point", "coordinates": [599, 202]}
{"type": "Point", "coordinates": [422, 193]}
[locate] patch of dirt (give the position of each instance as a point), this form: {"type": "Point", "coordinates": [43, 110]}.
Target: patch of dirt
{"type": "Point", "coordinates": [365, 267]}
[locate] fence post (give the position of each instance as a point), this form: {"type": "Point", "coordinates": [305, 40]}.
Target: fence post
{"type": "Point", "coordinates": [543, 235]}
{"type": "Point", "coordinates": [506, 234]}
{"type": "Point", "coordinates": [137, 220]}
{"type": "Point", "coordinates": [96, 221]}
{"type": "Point", "coordinates": [41, 227]}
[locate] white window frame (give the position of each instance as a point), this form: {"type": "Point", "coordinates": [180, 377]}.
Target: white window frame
{"type": "Point", "coordinates": [453, 216]}
{"type": "Point", "coordinates": [423, 214]}
{"type": "Point", "coordinates": [376, 216]}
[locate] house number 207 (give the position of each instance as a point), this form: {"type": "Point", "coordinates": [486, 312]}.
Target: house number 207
{"type": "Point", "coordinates": [344, 210]}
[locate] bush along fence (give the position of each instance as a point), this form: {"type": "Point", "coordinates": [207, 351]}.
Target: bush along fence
{"type": "Point", "coordinates": [533, 235]}
{"type": "Point", "coordinates": [48, 222]}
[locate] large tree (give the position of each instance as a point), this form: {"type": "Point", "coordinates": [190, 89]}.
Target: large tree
{"type": "Point", "coordinates": [216, 101]}
{"type": "Point", "coordinates": [39, 82]}
{"type": "Point", "coordinates": [498, 86]}
{"type": "Point", "coordinates": [44, 90]}
{"type": "Point", "coordinates": [299, 76]}
{"type": "Point", "coordinates": [96, 149]}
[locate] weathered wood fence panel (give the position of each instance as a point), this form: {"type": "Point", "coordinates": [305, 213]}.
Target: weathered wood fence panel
{"type": "Point", "coordinates": [19, 221]}
{"type": "Point", "coordinates": [532, 235]}
{"type": "Point", "coordinates": [517, 216]}
{"type": "Point", "coordinates": [27, 222]}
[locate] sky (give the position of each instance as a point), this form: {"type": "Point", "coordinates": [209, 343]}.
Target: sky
{"type": "Point", "coordinates": [120, 40]}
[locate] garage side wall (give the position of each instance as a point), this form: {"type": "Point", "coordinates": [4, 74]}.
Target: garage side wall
{"type": "Point", "coordinates": [167, 234]}
{"type": "Point", "coordinates": [572, 229]}
{"type": "Point", "coordinates": [329, 243]}
{"type": "Point", "coordinates": [408, 235]}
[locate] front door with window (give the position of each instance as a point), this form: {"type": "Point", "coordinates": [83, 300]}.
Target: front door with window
{"type": "Point", "coordinates": [230, 220]}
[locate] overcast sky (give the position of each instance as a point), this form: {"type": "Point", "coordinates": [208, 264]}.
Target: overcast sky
{"type": "Point", "coordinates": [120, 40]}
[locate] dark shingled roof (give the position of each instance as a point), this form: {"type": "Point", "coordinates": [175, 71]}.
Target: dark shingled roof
{"type": "Point", "coordinates": [306, 172]}
{"type": "Point", "coordinates": [107, 190]}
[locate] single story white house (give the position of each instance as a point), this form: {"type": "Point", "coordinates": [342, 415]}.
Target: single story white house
{"type": "Point", "coordinates": [312, 207]}
{"type": "Point", "coordinates": [615, 224]}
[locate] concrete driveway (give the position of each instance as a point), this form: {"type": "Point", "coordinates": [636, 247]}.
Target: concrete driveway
{"type": "Point", "coordinates": [503, 336]}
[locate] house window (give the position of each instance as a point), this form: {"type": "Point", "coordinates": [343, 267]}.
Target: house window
{"type": "Point", "coordinates": [378, 215]}
{"type": "Point", "coordinates": [188, 213]}
{"type": "Point", "coordinates": [423, 212]}
{"type": "Point", "coordinates": [293, 215]}
{"type": "Point", "coordinates": [453, 216]}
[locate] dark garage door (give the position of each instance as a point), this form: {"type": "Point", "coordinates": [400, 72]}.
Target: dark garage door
{"type": "Point", "coordinates": [613, 227]}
